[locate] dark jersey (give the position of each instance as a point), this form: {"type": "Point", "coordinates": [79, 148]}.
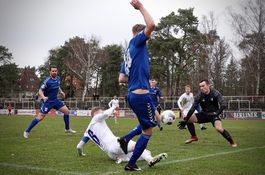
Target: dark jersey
{"type": "Point", "coordinates": [212, 103]}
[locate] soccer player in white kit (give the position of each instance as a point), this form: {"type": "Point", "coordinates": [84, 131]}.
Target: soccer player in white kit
{"type": "Point", "coordinates": [185, 102]}
{"type": "Point", "coordinates": [116, 113]}
{"type": "Point", "coordinates": [99, 132]}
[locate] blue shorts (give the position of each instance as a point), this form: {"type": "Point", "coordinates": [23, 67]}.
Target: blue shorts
{"type": "Point", "coordinates": [48, 105]}
{"type": "Point", "coordinates": [144, 109]}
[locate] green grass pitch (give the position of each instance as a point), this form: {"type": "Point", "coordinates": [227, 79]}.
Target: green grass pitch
{"type": "Point", "coordinates": [50, 151]}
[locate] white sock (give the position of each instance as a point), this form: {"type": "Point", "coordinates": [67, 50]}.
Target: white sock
{"type": "Point", "coordinates": [80, 145]}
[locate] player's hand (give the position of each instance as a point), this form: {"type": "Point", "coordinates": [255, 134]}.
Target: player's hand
{"type": "Point", "coordinates": [63, 94]}
{"type": "Point", "coordinates": [45, 99]}
{"type": "Point", "coordinates": [136, 4]}
{"type": "Point", "coordinates": [182, 125]}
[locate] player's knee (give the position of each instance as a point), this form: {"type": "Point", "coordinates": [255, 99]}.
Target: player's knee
{"type": "Point", "coordinates": [219, 129]}
{"type": "Point", "coordinates": [66, 112]}
{"type": "Point", "coordinates": [148, 131]}
{"type": "Point", "coordinates": [40, 117]}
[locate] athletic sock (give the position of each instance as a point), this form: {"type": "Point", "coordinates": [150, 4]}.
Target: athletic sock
{"type": "Point", "coordinates": [34, 122]}
{"type": "Point", "coordinates": [136, 131]}
{"type": "Point", "coordinates": [191, 129]}
{"type": "Point", "coordinates": [158, 124]}
{"type": "Point", "coordinates": [201, 125]}
{"type": "Point", "coordinates": [66, 121]}
{"type": "Point", "coordinates": [227, 136]}
{"type": "Point", "coordinates": [139, 148]}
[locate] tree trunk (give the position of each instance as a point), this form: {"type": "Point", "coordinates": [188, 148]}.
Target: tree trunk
{"type": "Point", "coordinates": [258, 72]}
{"type": "Point", "coordinates": [86, 85]}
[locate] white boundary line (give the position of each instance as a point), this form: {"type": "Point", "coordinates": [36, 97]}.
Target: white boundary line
{"type": "Point", "coordinates": [195, 158]}
{"type": "Point", "coordinates": [42, 169]}
{"type": "Point", "coordinates": [118, 172]}
{"type": "Point", "coordinates": [211, 155]}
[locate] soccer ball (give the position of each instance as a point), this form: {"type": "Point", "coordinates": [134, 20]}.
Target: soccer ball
{"type": "Point", "coordinates": [168, 117]}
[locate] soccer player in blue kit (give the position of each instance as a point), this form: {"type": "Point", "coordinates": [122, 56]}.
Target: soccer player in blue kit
{"type": "Point", "coordinates": [48, 93]}
{"type": "Point", "coordinates": [155, 96]}
{"type": "Point", "coordinates": [135, 71]}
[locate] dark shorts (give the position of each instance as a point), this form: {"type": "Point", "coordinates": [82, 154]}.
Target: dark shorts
{"type": "Point", "coordinates": [202, 117]}
{"type": "Point", "coordinates": [144, 109]}
{"type": "Point", "coordinates": [48, 105]}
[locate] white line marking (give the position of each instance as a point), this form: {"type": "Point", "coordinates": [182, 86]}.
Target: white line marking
{"type": "Point", "coordinates": [195, 158]}
{"type": "Point", "coordinates": [210, 155]}
{"type": "Point", "coordinates": [41, 169]}
{"type": "Point", "coordinates": [118, 172]}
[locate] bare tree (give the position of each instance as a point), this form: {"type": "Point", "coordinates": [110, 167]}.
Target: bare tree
{"type": "Point", "coordinates": [83, 59]}
{"type": "Point", "coordinates": [218, 59]}
{"type": "Point", "coordinates": [209, 37]}
{"type": "Point", "coordinates": [249, 24]}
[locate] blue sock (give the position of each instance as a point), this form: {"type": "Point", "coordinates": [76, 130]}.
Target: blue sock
{"type": "Point", "coordinates": [136, 131]}
{"type": "Point", "coordinates": [66, 121]}
{"type": "Point", "coordinates": [85, 139]}
{"type": "Point", "coordinates": [34, 122]}
{"type": "Point", "coordinates": [158, 124]}
{"type": "Point", "coordinates": [139, 148]}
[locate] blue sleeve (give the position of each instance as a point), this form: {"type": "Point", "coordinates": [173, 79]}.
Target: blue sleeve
{"type": "Point", "coordinates": [140, 39]}
{"type": "Point", "coordinates": [122, 68]}
{"type": "Point", "coordinates": [44, 84]}
{"type": "Point", "coordinates": [159, 93]}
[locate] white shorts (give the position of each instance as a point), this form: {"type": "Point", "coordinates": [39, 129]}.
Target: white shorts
{"type": "Point", "coordinates": [114, 151]}
{"type": "Point", "coordinates": [185, 112]}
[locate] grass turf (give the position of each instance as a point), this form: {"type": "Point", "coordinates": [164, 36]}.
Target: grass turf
{"type": "Point", "coordinates": [51, 151]}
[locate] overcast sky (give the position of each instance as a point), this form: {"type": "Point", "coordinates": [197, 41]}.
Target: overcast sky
{"type": "Point", "coordinates": [30, 28]}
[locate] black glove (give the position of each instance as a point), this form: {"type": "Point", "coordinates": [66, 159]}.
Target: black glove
{"type": "Point", "coordinates": [182, 125]}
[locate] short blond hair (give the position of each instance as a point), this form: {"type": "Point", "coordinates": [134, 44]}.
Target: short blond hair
{"type": "Point", "coordinates": [95, 109]}
{"type": "Point", "coordinates": [137, 28]}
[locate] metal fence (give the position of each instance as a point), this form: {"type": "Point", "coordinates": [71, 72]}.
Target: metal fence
{"type": "Point", "coordinates": [233, 103]}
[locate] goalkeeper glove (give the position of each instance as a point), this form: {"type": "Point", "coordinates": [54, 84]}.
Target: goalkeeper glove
{"type": "Point", "coordinates": [182, 125]}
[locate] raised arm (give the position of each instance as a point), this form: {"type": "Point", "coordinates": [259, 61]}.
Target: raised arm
{"type": "Point", "coordinates": [104, 115]}
{"type": "Point", "coordinates": [150, 25]}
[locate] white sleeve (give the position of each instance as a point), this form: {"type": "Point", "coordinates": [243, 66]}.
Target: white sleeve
{"type": "Point", "coordinates": [179, 100]}
{"type": "Point", "coordinates": [104, 115]}
{"type": "Point", "coordinates": [192, 101]}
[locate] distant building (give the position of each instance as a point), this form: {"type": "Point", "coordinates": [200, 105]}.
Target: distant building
{"type": "Point", "coordinates": [28, 82]}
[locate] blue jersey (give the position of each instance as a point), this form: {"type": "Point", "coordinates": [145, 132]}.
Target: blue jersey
{"type": "Point", "coordinates": [136, 63]}
{"type": "Point", "coordinates": [155, 94]}
{"type": "Point", "coordinates": [50, 87]}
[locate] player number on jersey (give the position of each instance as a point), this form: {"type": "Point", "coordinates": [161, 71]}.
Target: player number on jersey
{"type": "Point", "coordinates": [93, 137]}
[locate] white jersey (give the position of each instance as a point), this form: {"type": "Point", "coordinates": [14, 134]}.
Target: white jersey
{"type": "Point", "coordinates": [99, 132]}
{"type": "Point", "coordinates": [185, 102]}
{"type": "Point", "coordinates": [114, 102]}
